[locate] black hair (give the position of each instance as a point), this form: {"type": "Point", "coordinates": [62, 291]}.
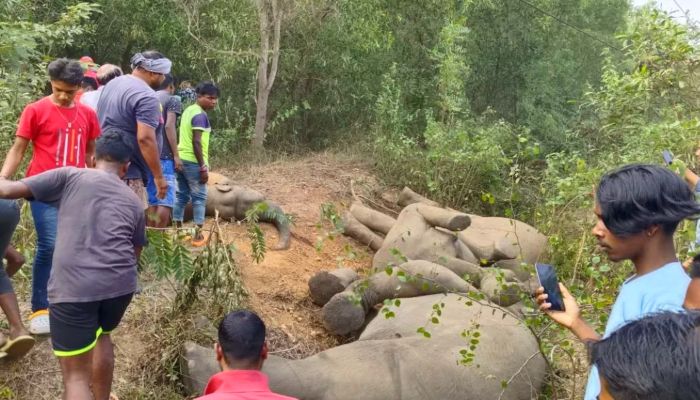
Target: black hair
{"type": "Point", "coordinates": [169, 80]}
{"type": "Point", "coordinates": [636, 197]}
{"type": "Point", "coordinates": [656, 357]}
{"type": "Point", "coordinates": [241, 336]}
{"type": "Point", "coordinates": [114, 146]}
{"type": "Point", "coordinates": [65, 70]}
{"type": "Point", "coordinates": [206, 88]}
{"type": "Point", "coordinates": [113, 73]}
{"type": "Point", "coordinates": [152, 55]}
{"type": "Point", "coordinates": [89, 81]}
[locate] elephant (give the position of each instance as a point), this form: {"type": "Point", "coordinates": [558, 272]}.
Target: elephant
{"type": "Point", "coordinates": [391, 360]}
{"type": "Point", "coordinates": [462, 242]}
{"type": "Point", "coordinates": [233, 201]}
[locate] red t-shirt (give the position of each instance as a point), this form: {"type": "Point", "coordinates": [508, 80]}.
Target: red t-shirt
{"type": "Point", "coordinates": [59, 135]}
{"type": "Point", "coordinates": [240, 385]}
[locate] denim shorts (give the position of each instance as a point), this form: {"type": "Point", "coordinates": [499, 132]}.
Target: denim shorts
{"type": "Point", "coordinates": [168, 167]}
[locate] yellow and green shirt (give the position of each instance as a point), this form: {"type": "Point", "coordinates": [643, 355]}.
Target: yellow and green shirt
{"type": "Point", "coordinates": [194, 118]}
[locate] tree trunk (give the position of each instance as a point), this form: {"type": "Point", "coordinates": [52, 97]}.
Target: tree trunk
{"type": "Point", "coordinates": [270, 23]}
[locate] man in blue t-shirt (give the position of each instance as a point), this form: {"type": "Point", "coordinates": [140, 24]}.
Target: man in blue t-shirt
{"type": "Point", "coordinates": [129, 105]}
{"type": "Point", "coordinates": [160, 210]}
{"type": "Point", "coordinates": [638, 208]}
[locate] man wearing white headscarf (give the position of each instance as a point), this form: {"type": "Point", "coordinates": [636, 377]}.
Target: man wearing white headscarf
{"type": "Point", "coordinates": [129, 104]}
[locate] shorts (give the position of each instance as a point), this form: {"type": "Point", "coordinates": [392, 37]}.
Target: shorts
{"type": "Point", "coordinates": [168, 167]}
{"type": "Point", "coordinates": [75, 327]}
{"type": "Point", "coordinates": [137, 186]}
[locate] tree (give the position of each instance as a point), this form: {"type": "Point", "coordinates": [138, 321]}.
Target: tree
{"type": "Point", "coordinates": [270, 16]}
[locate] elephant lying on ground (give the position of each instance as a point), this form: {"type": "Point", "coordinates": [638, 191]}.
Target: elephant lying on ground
{"type": "Point", "coordinates": [392, 361]}
{"type": "Point", "coordinates": [461, 242]}
{"type": "Point", "coordinates": [232, 202]}
{"type": "Point", "coordinates": [429, 249]}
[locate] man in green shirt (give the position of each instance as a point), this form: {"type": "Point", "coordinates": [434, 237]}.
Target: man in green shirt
{"type": "Point", "coordinates": [194, 152]}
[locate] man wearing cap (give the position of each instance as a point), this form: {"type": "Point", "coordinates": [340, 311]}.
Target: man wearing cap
{"type": "Point", "coordinates": [129, 105]}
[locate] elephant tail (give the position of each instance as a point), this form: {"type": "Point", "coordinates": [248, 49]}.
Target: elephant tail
{"type": "Point", "coordinates": [279, 219]}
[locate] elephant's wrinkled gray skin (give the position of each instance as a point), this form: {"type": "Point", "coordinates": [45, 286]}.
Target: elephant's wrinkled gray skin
{"type": "Point", "coordinates": [391, 361]}
{"type": "Point", "coordinates": [232, 202]}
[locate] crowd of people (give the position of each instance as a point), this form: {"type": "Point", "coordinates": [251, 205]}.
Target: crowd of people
{"type": "Point", "coordinates": [107, 161]}
{"type": "Point", "coordinates": [114, 153]}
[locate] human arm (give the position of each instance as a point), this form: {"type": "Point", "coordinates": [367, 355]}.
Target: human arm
{"type": "Point", "coordinates": [14, 190]}
{"type": "Point", "coordinates": [692, 296]}
{"type": "Point", "coordinates": [197, 149]}
{"type": "Point", "coordinates": [14, 259]}
{"type": "Point", "coordinates": [171, 137]}
{"type": "Point", "coordinates": [691, 178]}
{"type": "Point", "coordinates": [571, 318]}
{"type": "Point", "coordinates": [139, 236]}
{"type": "Point", "coordinates": [90, 154]}
{"type": "Point", "coordinates": [146, 137]}
{"type": "Point", "coordinates": [14, 157]}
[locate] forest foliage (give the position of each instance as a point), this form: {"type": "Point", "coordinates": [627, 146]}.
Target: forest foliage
{"type": "Point", "coordinates": [505, 107]}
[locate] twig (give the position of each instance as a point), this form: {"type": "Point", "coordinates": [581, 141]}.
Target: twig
{"type": "Point", "coordinates": [578, 258]}
{"type": "Point", "coordinates": [517, 373]}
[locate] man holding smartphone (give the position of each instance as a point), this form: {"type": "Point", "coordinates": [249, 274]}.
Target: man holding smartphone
{"type": "Point", "coordinates": [638, 208]}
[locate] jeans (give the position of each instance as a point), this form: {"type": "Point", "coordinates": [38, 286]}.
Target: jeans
{"type": "Point", "coordinates": [45, 222]}
{"type": "Point", "coordinates": [188, 187]}
{"type": "Point", "coordinates": [9, 218]}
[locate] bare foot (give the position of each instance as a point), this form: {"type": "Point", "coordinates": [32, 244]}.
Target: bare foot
{"type": "Point", "coordinates": [18, 331]}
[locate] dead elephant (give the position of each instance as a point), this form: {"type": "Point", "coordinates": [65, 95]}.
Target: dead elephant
{"type": "Point", "coordinates": [233, 201]}
{"type": "Point", "coordinates": [392, 361]}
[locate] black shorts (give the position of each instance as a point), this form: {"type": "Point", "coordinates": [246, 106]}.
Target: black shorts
{"type": "Point", "coordinates": [75, 327]}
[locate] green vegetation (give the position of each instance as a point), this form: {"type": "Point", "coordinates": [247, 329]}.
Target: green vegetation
{"type": "Point", "coordinates": [500, 107]}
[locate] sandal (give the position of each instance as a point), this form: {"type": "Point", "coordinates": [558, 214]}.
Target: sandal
{"type": "Point", "coordinates": [18, 347]}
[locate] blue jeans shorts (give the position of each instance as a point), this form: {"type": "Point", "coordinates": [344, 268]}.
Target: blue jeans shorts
{"type": "Point", "coordinates": [168, 167]}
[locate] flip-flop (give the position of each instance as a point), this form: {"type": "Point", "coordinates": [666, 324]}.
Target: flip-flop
{"type": "Point", "coordinates": [2, 355]}
{"type": "Point", "coordinates": [201, 242]}
{"type": "Point", "coordinates": [18, 347]}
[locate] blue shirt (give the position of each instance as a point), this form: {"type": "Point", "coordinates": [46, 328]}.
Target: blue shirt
{"type": "Point", "coordinates": [125, 101]}
{"type": "Point", "coordinates": [661, 290]}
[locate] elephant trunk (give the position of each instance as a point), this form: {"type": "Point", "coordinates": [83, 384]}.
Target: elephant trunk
{"type": "Point", "coordinates": [276, 216]}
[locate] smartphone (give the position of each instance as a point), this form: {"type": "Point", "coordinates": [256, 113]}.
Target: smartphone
{"type": "Point", "coordinates": [668, 157]}
{"type": "Point", "coordinates": [548, 280]}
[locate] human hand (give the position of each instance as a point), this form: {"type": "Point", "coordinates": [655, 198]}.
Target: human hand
{"type": "Point", "coordinates": [178, 164]}
{"type": "Point", "coordinates": [203, 176]}
{"type": "Point", "coordinates": [162, 186]}
{"type": "Point", "coordinates": [565, 318]}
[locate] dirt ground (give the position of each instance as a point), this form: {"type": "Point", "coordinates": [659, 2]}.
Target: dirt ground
{"type": "Point", "coordinates": [277, 286]}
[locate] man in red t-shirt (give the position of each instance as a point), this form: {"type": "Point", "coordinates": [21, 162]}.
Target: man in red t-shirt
{"type": "Point", "coordinates": [62, 133]}
{"type": "Point", "coordinates": [241, 352]}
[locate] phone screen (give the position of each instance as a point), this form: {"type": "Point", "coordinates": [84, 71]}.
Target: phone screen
{"type": "Point", "coordinates": [548, 280]}
{"type": "Point", "coordinates": [668, 157]}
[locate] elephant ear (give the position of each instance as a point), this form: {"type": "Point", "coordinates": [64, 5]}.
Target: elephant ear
{"type": "Point", "coordinates": [223, 187]}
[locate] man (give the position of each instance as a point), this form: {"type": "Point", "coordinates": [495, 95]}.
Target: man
{"type": "Point", "coordinates": [241, 352]}
{"type": "Point", "coordinates": [19, 342]}
{"type": "Point", "coordinates": [654, 358]}
{"type": "Point", "coordinates": [159, 210]}
{"type": "Point", "coordinates": [639, 208]}
{"type": "Point", "coordinates": [101, 230]}
{"type": "Point", "coordinates": [194, 152]}
{"type": "Point", "coordinates": [129, 105]}
{"type": "Point", "coordinates": [62, 133]}
{"type": "Point", "coordinates": [105, 73]}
